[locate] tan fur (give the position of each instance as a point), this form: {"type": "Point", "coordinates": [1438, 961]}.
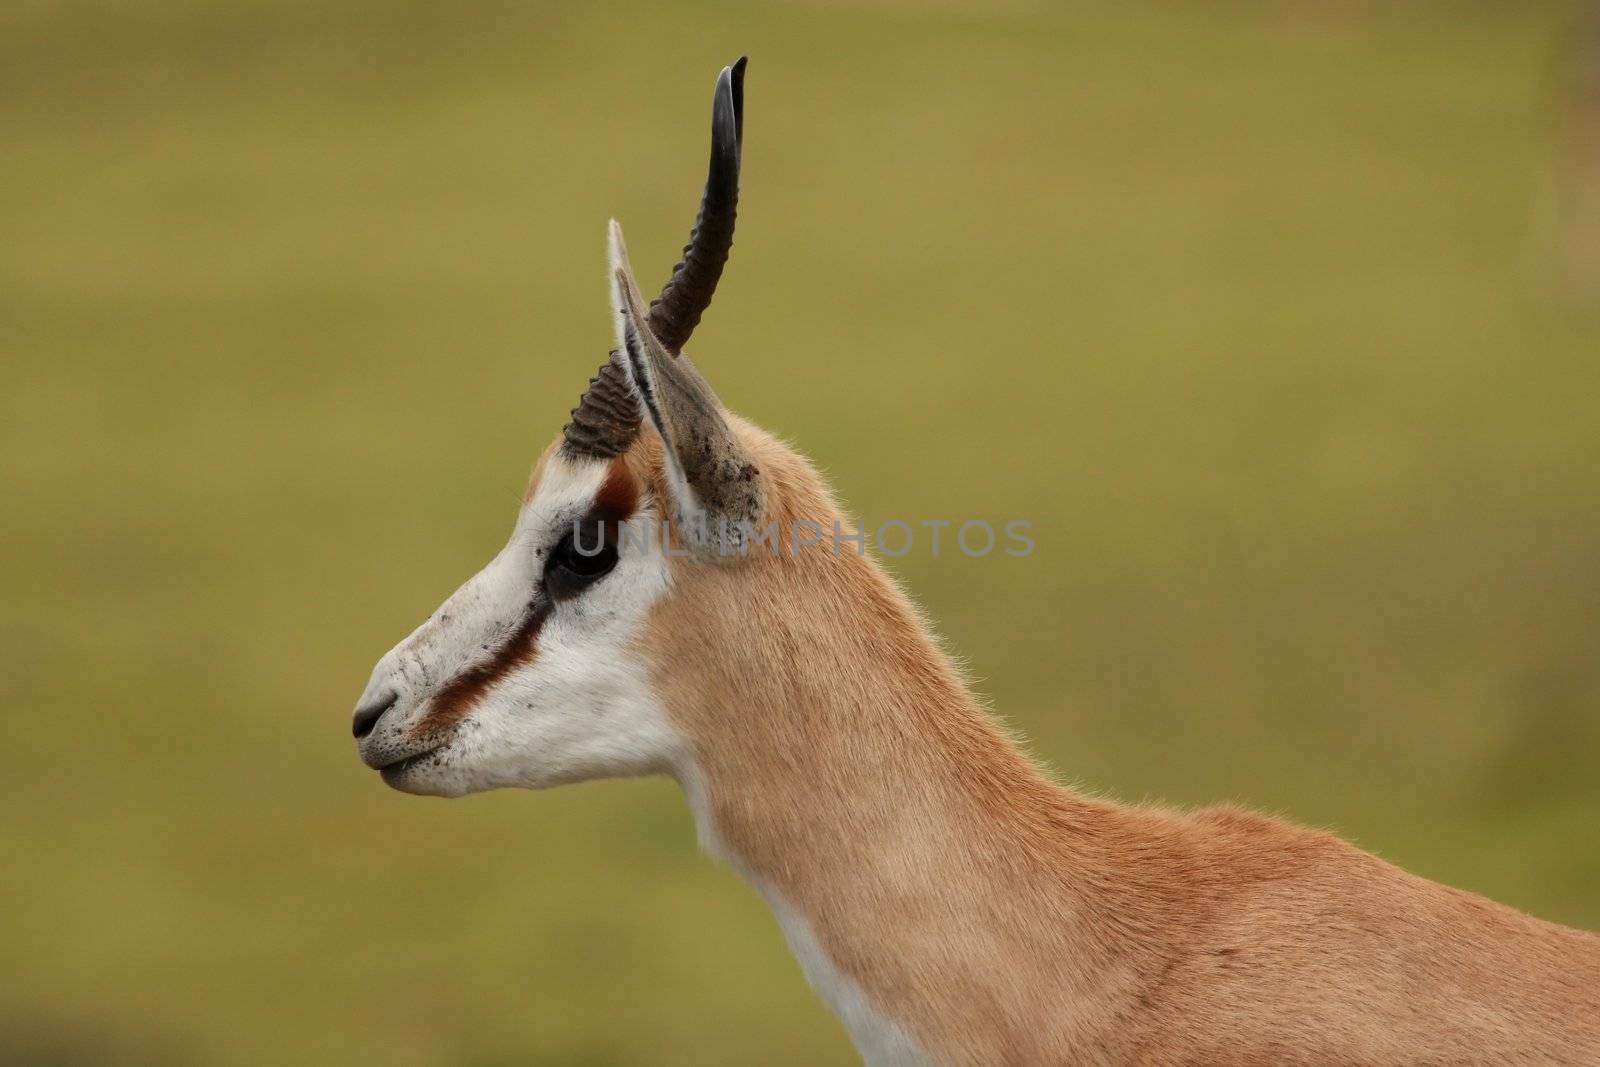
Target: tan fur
{"type": "Point", "coordinates": [538, 469]}
{"type": "Point", "coordinates": [1001, 919]}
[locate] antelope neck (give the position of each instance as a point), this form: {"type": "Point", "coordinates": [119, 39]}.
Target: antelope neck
{"type": "Point", "coordinates": [892, 826]}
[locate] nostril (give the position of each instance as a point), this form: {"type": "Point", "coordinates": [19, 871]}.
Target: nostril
{"type": "Point", "coordinates": [367, 716]}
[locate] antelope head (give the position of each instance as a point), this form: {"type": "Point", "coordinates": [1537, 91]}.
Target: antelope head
{"type": "Point", "coordinates": [547, 666]}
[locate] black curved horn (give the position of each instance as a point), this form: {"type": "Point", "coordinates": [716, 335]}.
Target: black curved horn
{"type": "Point", "coordinates": [676, 312]}
{"type": "Point", "coordinates": [606, 420]}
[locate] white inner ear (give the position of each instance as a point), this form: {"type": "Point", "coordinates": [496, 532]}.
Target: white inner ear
{"type": "Point", "coordinates": [690, 517]}
{"type": "Point", "coordinates": [641, 376]}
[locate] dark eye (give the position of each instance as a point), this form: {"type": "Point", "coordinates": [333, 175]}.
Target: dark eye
{"type": "Point", "coordinates": [585, 553]}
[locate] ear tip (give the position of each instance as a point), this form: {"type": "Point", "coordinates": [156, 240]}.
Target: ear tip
{"type": "Point", "coordinates": [615, 247]}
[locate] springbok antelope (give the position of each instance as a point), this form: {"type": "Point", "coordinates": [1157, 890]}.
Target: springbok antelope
{"type": "Point", "coordinates": [949, 901]}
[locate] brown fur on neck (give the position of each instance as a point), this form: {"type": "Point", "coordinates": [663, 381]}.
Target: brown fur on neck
{"type": "Point", "coordinates": [999, 918]}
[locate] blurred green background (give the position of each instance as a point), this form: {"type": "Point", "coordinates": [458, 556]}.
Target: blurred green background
{"type": "Point", "coordinates": [1268, 315]}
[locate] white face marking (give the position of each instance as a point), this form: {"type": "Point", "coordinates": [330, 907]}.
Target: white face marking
{"type": "Point", "coordinates": [577, 706]}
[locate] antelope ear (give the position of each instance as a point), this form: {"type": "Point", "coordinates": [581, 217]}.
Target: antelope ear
{"type": "Point", "coordinates": [716, 491]}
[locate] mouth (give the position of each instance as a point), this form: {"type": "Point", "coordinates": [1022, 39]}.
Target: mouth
{"type": "Point", "coordinates": [409, 763]}
{"type": "Point", "coordinates": [390, 772]}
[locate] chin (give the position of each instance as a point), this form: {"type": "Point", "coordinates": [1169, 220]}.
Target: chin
{"type": "Point", "coordinates": [433, 775]}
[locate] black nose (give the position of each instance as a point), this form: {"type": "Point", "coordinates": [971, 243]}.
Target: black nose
{"type": "Point", "coordinates": [367, 717]}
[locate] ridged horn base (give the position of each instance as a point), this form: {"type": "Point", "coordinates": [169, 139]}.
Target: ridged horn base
{"type": "Point", "coordinates": [606, 421]}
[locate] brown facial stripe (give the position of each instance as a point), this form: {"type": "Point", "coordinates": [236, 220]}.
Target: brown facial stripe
{"type": "Point", "coordinates": [618, 495]}
{"type": "Point", "coordinates": [460, 693]}
{"type": "Point", "coordinates": [614, 502]}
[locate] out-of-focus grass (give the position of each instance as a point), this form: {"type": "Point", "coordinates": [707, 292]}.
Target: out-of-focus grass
{"type": "Point", "coordinates": [1243, 306]}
